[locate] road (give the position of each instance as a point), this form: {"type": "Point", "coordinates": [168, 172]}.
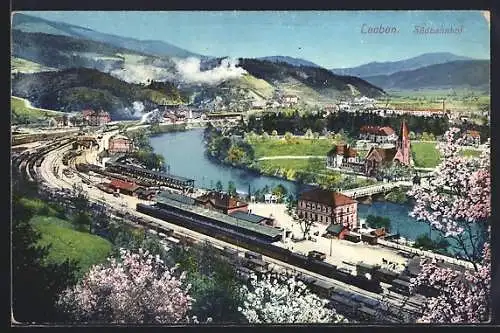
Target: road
{"type": "Point", "coordinates": [127, 204]}
{"type": "Point", "coordinates": [289, 157]}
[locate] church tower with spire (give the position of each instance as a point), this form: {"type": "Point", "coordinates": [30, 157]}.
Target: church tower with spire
{"type": "Point", "coordinates": [403, 154]}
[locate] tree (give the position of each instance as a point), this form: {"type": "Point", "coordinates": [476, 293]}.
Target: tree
{"type": "Point", "coordinates": [464, 297]}
{"type": "Point", "coordinates": [277, 299]}
{"type": "Point", "coordinates": [456, 201]}
{"type": "Point", "coordinates": [231, 188]}
{"type": "Point", "coordinates": [457, 198]}
{"type": "Point", "coordinates": [218, 186]}
{"type": "Point", "coordinates": [378, 222]}
{"type": "Point", "coordinates": [235, 154]}
{"type": "Point", "coordinates": [288, 137]}
{"type": "Point", "coordinates": [134, 288]}
{"type": "Point", "coordinates": [425, 242]}
{"type": "Point", "coordinates": [213, 280]}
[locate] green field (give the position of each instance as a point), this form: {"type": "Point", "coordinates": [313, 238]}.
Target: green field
{"type": "Point", "coordinates": [313, 164]}
{"type": "Point", "coordinates": [425, 154]}
{"type": "Point", "coordinates": [26, 66]}
{"type": "Point", "coordinates": [301, 147]}
{"type": "Point", "coordinates": [66, 242]}
{"type": "Point", "coordinates": [20, 110]}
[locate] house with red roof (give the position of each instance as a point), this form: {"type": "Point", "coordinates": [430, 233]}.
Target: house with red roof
{"type": "Point", "coordinates": [378, 134]}
{"type": "Point", "coordinates": [222, 202]}
{"type": "Point", "coordinates": [124, 187]}
{"type": "Point", "coordinates": [328, 207]}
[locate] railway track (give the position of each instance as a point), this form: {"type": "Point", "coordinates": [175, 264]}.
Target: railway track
{"type": "Point", "coordinates": [132, 216]}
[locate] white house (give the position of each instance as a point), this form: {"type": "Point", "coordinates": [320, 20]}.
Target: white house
{"type": "Point", "coordinates": [378, 134]}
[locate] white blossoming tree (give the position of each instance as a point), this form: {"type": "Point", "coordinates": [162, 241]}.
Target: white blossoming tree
{"type": "Point", "coordinates": [276, 299]}
{"type": "Point", "coordinates": [137, 288]}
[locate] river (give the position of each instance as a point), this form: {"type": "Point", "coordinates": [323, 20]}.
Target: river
{"type": "Point", "coordinates": [184, 152]}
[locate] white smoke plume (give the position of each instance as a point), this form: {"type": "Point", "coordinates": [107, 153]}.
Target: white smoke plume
{"type": "Point", "coordinates": [141, 73]}
{"type": "Point", "coordinates": [189, 70]}
{"type": "Point", "coordinates": [137, 107]}
{"type": "Point", "coordinates": [145, 118]}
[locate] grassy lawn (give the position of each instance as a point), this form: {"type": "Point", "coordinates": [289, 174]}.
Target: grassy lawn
{"type": "Point", "coordinates": [301, 147]}
{"type": "Point", "coordinates": [66, 242]}
{"type": "Point", "coordinates": [425, 154]}
{"type": "Point", "coordinates": [315, 164]}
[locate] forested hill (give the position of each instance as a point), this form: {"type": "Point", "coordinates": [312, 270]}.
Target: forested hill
{"type": "Point", "coordinates": [75, 89]}
{"type": "Point", "coordinates": [303, 78]}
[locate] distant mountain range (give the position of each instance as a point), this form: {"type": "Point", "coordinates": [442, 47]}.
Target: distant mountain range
{"type": "Point", "coordinates": [40, 45]}
{"type": "Point", "coordinates": [390, 67]}
{"type": "Point", "coordinates": [32, 24]}
{"type": "Point", "coordinates": [290, 61]}
{"type": "Point", "coordinates": [454, 74]}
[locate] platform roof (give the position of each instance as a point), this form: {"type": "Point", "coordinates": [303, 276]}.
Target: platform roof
{"type": "Point", "coordinates": [229, 220]}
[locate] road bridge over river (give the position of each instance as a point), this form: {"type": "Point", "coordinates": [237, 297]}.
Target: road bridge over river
{"type": "Point", "coordinates": [369, 190]}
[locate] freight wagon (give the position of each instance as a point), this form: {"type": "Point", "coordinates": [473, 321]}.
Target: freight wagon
{"type": "Point", "coordinates": [259, 245]}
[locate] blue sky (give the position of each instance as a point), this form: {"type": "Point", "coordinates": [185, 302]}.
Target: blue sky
{"type": "Point", "coordinates": [329, 38]}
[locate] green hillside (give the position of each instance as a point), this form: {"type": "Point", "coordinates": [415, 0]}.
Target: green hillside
{"type": "Point", "coordinates": [66, 242]}
{"type": "Point", "coordinates": [76, 89]}
{"type": "Point", "coordinates": [21, 112]}
{"type": "Point", "coordinates": [317, 79]}
{"type": "Point", "coordinates": [19, 65]}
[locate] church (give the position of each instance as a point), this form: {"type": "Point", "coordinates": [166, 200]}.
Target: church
{"type": "Point", "coordinates": [377, 157]}
{"type": "Point", "coordinates": [344, 157]}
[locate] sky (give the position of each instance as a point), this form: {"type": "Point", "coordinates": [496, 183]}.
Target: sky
{"type": "Point", "coordinates": [332, 39]}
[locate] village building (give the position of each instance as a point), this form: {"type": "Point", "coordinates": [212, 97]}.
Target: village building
{"type": "Point", "coordinates": [289, 100]}
{"type": "Point", "coordinates": [378, 157]}
{"type": "Point", "coordinates": [378, 134]}
{"type": "Point", "coordinates": [222, 202]}
{"type": "Point", "coordinates": [120, 144]}
{"type": "Point", "coordinates": [86, 142]}
{"type": "Point", "coordinates": [328, 207]}
{"type": "Point", "coordinates": [96, 118]}
{"type": "Point", "coordinates": [344, 156]}
{"type": "Point", "coordinates": [61, 121]}
{"type": "Point", "coordinates": [473, 138]}
{"type": "Point", "coordinates": [121, 186]}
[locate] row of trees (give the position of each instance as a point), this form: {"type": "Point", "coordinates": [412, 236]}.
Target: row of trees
{"type": "Point", "coordinates": [145, 153]}
{"type": "Point", "coordinates": [226, 149]}
{"type": "Point", "coordinates": [347, 121]}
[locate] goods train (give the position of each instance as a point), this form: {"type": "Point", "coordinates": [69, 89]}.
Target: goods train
{"type": "Point", "coordinates": [258, 245]}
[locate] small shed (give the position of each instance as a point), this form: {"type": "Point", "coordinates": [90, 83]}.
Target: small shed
{"type": "Point", "coordinates": [337, 230]}
{"type": "Point", "coordinates": [123, 186]}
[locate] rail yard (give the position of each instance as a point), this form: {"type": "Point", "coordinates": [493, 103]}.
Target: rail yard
{"type": "Point", "coordinates": [382, 296]}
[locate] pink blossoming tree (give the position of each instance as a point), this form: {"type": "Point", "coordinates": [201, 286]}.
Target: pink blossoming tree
{"type": "Point", "coordinates": [136, 288]}
{"type": "Point", "coordinates": [457, 202]}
